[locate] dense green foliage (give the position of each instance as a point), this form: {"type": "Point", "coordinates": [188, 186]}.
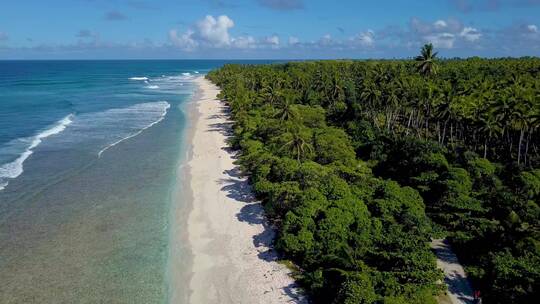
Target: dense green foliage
{"type": "Point", "coordinates": [360, 163]}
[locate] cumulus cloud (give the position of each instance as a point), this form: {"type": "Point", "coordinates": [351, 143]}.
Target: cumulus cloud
{"type": "Point", "coordinates": [216, 35]}
{"type": "Point", "coordinates": [444, 34]}
{"type": "Point", "coordinates": [366, 39]}
{"type": "Point", "coordinates": [441, 40]}
{"type": "Point", "coordinates": [440, 24]}
{"type": "Point", "coordinates": [244, 42]}
{"type": "Point", "coordinates": [209, 32]}
{"type": "Point", "coordinates": [362, 41]}
{"type": "Point", "coordinates": [293, 40]}
{"type": "Point", "coordinates": [272, 40]}
{"type": "Point", "coordinates": [184, 41]}
{"type": "Point", "coordinates": [525, 36]}
{"type": "Point", "coordinates": [212, 32]}
{"type": "Point", "coordinates": [448, 34]}
{"type": "Point", "coordinates": [448, 25]}
{"type": "Point", "coordinates": [470, 34]}
{"type": "Point", "coordinates": [215, 31]}
{"type": "Point", "coordinates": [326, 40]}
{"type": "Point", "coordinates": [115, 16]}
{"type": "Point", "coordinates": [282, 5]}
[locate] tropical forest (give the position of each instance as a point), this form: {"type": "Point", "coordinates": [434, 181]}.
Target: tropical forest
{"type": "Point", "coordinates": [360, 164]}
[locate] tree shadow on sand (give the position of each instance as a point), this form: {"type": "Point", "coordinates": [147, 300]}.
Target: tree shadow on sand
{"type": "Point", "coordinates": [458, 284]}
{"type": "Point", "coordinates": [224, 128]}
{"type": "Point", "coordinates": [445, 254]}
{"type": "Point", "coordinates": [237, 187]}
{"type": "Point", "coordinates": [252, 212]}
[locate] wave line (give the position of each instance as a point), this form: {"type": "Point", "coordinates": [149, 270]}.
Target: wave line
{"type": "Point", "coordinates": [138, 132]}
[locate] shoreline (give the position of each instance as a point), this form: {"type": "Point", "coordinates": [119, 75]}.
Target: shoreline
{"type": "Point", "coordinates": [226, 238]}
{"type": "Point", "coordinates": [180, 256]}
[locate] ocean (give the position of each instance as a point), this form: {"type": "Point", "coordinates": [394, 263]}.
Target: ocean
{"type": "Point", "coordinates": [89, 152]}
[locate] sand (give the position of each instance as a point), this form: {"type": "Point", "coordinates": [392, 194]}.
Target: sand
{"type": "Point", "coordinates": [229, 238]}
{"type": "Point", "coordinates": [459, 288]}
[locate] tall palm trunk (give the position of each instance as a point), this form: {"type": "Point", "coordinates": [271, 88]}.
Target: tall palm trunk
{"type": "Point", "coordinates": [444, 131]}
{"type": "Point", "coordinates": [521, 133]}
{"type": "Point", "coordinates": [527, 147]}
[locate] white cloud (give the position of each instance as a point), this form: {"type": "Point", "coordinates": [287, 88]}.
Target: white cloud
{"type": "Point", "coordinates": [450, 34]}
{"type": "Point", "coordinates": [184, 41]}
{"type": "Point", "coordinates": [208, 32]}
{"type": "Point", "coordinates": [244, 42]}
{"type": "Point", "coordinates": [440, 24]}
{"type": "Point", "coordinates": [215, 31]}
{"type": "Point", "coordinates": [212, 32]}
{"type": "Point", "coordinates": [272, 40]}
{"type": "Point", "coordinates": [470, 34]}
{"type": "Point", "coordinates": [441, 40]}
{"type": "Point", "coordinates": [446, 34]}
{"type": "Point", "coordinates": [365, 39]}
{"type": "Point", "coordinates": [422, 28]}
{"type": "Point", "coordinates": [326, 40]}
{"type": "Point", "coordinates": [293, 40]}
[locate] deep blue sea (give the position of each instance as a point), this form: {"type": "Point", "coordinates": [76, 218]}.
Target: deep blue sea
{"type": "Point", "coordinates": [89, 152]}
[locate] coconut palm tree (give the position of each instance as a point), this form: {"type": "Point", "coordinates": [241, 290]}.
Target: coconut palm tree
{"type": "Point", "coordinates": [337, 92]}
{"type": "Point", "coordinates": [298, 145]}
{"type": "Point", "coordinates": [490, 127]}
{"type": "Point", "coordinates": [268, 94]}
{"type": "Point", "coordinates": [286, 105]}
{"type": "Point", "coordinates": [426, 60]}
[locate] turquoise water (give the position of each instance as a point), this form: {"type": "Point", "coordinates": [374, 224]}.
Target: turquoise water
{"type": "Point", "coordinates": [88, 158]}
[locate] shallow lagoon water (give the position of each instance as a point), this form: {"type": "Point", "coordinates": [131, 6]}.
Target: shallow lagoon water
{"type": "Point", "coordinates": [85, 219]}
{"type": "Point", "coordinates": [84, 211]}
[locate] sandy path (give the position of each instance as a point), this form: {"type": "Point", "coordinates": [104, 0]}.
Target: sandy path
{"type": "Point", "coordinates": [228, 235]}
{"type": "Point", "coordinates": [459, 289]}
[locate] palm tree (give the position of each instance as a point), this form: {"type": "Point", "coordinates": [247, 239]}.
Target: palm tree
{"type": "Point", "coordinates": [426, 60]}
{"type": "Point", "coordinates": [337, 92]}
{"type": "Point", "coordinates": [269, 94]}
{"type": "Point", "coordinates": [444, 109]}
{"type": "Point", "coordinates": [490, 127]}
{"type": "Point", "coordinates": [286, 105]}
{"type": "Point", "coordinates": [298, 145]}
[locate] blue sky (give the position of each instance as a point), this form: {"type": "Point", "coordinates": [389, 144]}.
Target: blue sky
{"type": "Point", "coordinates": [267, 29]}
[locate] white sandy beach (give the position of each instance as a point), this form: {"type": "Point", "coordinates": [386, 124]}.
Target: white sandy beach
{"type": "Point", "coordinates": [228, 235]}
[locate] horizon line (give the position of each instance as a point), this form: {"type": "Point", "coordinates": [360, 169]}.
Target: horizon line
{"type": "Point", "coordinates": [265, 59]}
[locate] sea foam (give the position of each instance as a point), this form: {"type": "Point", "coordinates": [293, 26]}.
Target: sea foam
{"type": "Point", "coordinates": [15, 168]}
{"type": "Point", "coordinates": [159, 109]}
{"type": "Point", "coordinates": [105, 129]}
{"type": "Point", "coordinates": [139, 78]}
